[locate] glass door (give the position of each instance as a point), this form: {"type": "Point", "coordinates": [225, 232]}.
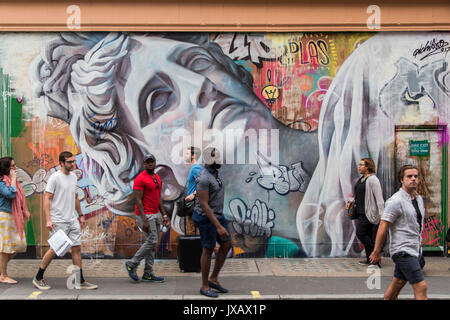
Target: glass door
{"type": "Point", "coordinates": [426, 147]}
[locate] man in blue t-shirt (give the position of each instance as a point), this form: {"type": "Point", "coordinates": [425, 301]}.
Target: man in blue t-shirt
{"type": "Point", "coordinates": [192, 155]}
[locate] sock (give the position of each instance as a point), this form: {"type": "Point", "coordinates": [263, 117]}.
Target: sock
{"type": "Point", "coordinates": [81, 276]}
{"type": "Point", "coordinates": [40, 274]}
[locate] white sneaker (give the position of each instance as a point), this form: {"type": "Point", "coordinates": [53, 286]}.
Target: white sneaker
{"type": "Point", "coordinates": [86, 286]}
{"type": "Point", "coordinates": [41, 284]}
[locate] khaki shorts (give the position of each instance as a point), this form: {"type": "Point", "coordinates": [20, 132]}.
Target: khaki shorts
{"type": "Point", "coordinates": [72, 229]}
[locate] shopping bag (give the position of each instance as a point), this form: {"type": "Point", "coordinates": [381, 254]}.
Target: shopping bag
{"type": "Point", "coordinates": [60, 243]}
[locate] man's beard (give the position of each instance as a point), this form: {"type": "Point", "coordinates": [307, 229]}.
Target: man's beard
{"type": "Point", "coordinates": [216, 166]}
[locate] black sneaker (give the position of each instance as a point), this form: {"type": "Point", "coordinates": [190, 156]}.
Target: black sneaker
{"type": "Point", "coordinates": [131, 271]}
{"type": "Point", "coordinates": [364, 262]}
{"type": "Point", "coordinates": [152, 278]}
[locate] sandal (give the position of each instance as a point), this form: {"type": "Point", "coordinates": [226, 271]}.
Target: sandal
{"type": "Point", "coordinates": [218, 287]}
{"type": "Point", "coordinates": [209, 293]}
{"type": "Point", "coordinates": [8, 281]}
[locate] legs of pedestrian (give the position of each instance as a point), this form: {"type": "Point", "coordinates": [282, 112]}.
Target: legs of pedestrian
{"type": "Point", "coordinates": [77, 260]}
{"type": "Point", "coordinates": [146, 251]}
{"type": "Point", "coordinates": [220, 260]}
{"type": "Point", "coordinates": [374, 237]}
{"type": "Point", "coordinates": [152, 241]}
{"type": "Point", "coordinates": [38, 280]}
{"type": "Point", "coordinates": [392, 292]}
{"type": "Point", "coordinates": [420, 290]}
{"type": "Point", "coordinates": [205, 262]}
{"type": "Point", "coordinates": [47, 259]}
{"type": "Point", "coordinates": [76, 256]}
{"type": "Point", "coordinates": [4, 260]}
{"type": "Point", "coordinates": [394, 289]}
{"type": "Point", "coordinates": [364, 233]}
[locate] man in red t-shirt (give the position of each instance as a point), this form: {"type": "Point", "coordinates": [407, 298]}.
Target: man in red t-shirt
{"type": "Point", "coordinates": [147, 193]}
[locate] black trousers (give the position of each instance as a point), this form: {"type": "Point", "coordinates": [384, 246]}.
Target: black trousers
{"type": "Point", "coordinates": [366, 233]}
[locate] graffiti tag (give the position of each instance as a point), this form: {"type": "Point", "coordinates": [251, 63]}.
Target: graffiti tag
{"type": "Point", "coordinates": [432, 228]}
{"type": "Point", "coordinates": [100, 129]}
{"type": "Point", "coordinates": [88, 236]}
{"type": "Point", "coordinates": [243, 46]}
{"type": "Point", "coordinates": [431, 48]}
{"type": "Point", "coordinates": [414, 82]}
{"type": "Point", "coordinates": [256, 222]}
{"type": "Point", "coordinates": [313, 52]}
{"type": "Point", "coordinates": [281, 178]}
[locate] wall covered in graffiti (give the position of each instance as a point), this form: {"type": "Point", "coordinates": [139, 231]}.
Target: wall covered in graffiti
{"type": "Point", "coordinates": [291, 113]}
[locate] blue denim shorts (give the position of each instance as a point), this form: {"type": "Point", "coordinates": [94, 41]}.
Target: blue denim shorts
{"type": "Point", "coordinates": [408, 268]}
{"type": "Point", "coordinates": [208, 232]}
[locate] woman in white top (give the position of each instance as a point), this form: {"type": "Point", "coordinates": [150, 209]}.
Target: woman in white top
{"type": "Point", "coordinates": [369, 206]}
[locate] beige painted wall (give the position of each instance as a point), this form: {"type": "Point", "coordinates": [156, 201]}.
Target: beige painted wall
{"type": "Point", "coordinates": [230, 15]}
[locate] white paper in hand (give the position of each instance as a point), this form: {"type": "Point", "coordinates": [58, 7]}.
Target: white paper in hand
{"type": "Point", "coordinates": [60, 243]}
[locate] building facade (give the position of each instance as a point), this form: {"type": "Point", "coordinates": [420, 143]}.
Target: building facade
{"type": "Point", "coordinates": [292, 107]}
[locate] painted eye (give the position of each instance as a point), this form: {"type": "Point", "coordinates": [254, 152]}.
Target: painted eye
{"type": "Point", "coordinates": [196, 59]}
{"type": "Point", "coordinates": [200, 64]}
{"type": "Point", "coordinates": [45, 71]}
{"type": "Point", "coordinates": [156, 98]}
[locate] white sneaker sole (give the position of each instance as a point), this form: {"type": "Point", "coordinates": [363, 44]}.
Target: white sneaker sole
{"type": "Point", "coordinates": [86, 288]}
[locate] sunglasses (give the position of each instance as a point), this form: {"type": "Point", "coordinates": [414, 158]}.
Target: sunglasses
{"type": "Point", "coordinates": [219, 182]}
{"type": "Point", "coordinates": [156, 183]}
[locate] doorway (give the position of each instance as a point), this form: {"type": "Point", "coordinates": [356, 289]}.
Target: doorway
{"type": "Point", "coordinates": [426, 147]}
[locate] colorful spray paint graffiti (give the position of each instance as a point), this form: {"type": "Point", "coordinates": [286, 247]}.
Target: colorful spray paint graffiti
{"type": "Point", "coordinates": [325, 100]}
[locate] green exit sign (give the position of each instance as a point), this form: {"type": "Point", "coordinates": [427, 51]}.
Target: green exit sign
{"type": "Point", "coordinates": [419, 148]}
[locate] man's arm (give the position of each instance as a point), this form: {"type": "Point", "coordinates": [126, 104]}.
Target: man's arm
{"type": "Point", "coordinates": [48, 197]}
{"type": "Point", "coordinates": [375, 257]}
{"type": "Point", "coordinates": [195, 172]}
{"type": "Point", "coordinates": [138, 194]}
{"type": "Point", "coordinates": [203, 198]}
{"type": "Point", "coordinates": [80, 213]}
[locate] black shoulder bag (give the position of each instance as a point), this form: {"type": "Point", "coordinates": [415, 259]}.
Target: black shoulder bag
{"type": "Point", "coordinates": [185, 208]}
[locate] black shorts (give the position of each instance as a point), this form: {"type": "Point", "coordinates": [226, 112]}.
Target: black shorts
{"type": "Point", "coordinates": [208, 232]}
{"type": "Point", "coordinates": [408, 268]}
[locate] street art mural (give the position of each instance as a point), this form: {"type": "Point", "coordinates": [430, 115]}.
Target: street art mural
{"type": "Point", "coordinates": [292, 114]}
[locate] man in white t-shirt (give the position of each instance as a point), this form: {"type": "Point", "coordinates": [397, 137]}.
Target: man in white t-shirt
{"type": "Point", "coordinates": [60, 202]}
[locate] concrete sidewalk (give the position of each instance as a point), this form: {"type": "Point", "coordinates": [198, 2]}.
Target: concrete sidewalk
{"type": "Point", "coordinates": [306, 267]}
{"type": "Point", "coordinates": [247, 279]}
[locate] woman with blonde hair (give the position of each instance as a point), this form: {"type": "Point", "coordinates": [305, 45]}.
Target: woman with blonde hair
{"type": "Point", "coordinates": [13, 210]}
{"type": "Point", "coordinates": [369, 206]}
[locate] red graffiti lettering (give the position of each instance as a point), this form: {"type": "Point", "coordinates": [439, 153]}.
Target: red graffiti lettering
{"type": "Point", "coordinates": [432, 228]}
